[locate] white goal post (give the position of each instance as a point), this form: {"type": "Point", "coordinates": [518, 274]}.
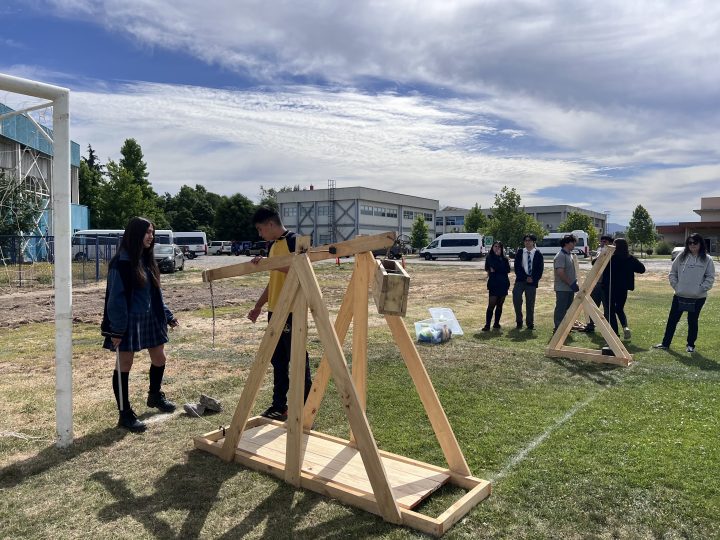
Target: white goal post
{"type": "Point", "coordinates": [59, 99]}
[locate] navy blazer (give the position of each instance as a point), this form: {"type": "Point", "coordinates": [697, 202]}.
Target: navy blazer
{"type": "Point", "coordinates": [538, 265]}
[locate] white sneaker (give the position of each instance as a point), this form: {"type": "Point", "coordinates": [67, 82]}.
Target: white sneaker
{"type": "Point", "coordinates": [627, 334]}
{"type": "Point", "coordinates": [690, 348]}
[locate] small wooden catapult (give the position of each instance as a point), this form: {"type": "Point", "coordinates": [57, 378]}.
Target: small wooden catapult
{"type": "Point", "coordinates": [353, 471]}
{"type": "Point", "coordinates": [583, 301]}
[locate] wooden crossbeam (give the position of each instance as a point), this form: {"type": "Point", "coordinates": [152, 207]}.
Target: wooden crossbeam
{"type": "Point", "coordinates": [342, 249]}
{"type": "Point", "coordinates": [583, 302]}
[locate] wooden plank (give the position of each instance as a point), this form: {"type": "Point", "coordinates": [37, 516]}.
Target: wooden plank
{"type": "Point", "coordinates": [260, 365]}
{"type": "Point", "coordinates": [320, 253]}
{"type": "Point", "coordinates": [322, 375]}
{"type": "Point", "coordinates": [360, 328]}
{"type": "Point", "coordinates": [296, 392]}
{"type": "Point", "coordinates": [589, 355]}
{"type": "Point", "coordinates": [461, 507]}
{"type": "Point", "coordinates": [429, 398]}
{"type": "Point", "coordinates": [346, 390]}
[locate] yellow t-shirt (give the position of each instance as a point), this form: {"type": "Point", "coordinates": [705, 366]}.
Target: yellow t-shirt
{"type": "Point", "coordinates": [279, 248]}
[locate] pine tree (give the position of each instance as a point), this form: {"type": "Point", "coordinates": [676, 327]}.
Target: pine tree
{"type": "Point", "coordinates": [641, 229]}
{"type": "Point", "coordinates": [475, 220]}
{"type": "Point", "coordinates": [419, 233]}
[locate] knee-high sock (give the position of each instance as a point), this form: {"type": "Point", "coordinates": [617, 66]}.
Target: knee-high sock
{"type": "Point", "coordinates": [156, 377]}
{"type": "Point", "coordinates": [121, 390]}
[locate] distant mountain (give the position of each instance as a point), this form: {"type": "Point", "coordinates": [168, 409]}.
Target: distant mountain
{"type": "Point", "coordinates": [613, 228]}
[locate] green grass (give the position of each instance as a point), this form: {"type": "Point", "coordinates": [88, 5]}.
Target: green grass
{"type": "Point", "coordinates": [574, 450]}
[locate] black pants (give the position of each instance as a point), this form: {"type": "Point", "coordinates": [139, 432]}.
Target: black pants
{"type": "Point", "coordinates": [598, 296]}
{"type": "Point", "coordinates": [530, 291]}
{"type": "Point", "coordinates": [615, 309]}
{"type": "Point", "coordinates": [674, 318]}
{"type": "Point", "coordinates": [281, 367]}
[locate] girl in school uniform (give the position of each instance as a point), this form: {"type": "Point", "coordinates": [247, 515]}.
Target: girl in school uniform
{"type": "Point", "coordinates": [497, 266]}
{"type": "Point", "coordinates": [136, 318]}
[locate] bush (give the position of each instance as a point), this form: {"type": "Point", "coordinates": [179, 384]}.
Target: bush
{"type": "Point", "coordinates": [664, 248]}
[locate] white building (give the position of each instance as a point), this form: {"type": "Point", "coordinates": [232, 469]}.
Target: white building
{"type": "Point", "coordinates": [452, 219]}
{"type": "Point", "coordinates": [339, 214]}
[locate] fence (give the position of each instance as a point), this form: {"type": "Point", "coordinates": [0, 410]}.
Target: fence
{"type": "Point", "coordinates": [27, 261]}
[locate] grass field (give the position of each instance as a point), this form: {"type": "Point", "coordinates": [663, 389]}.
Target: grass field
{"type": "Point", "coordinates": [574, 450]}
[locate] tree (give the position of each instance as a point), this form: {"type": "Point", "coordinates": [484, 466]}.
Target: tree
{"type": "Point", "coordinates": [19, 208]}
{"type": "Point", "coordinates": [509, 222]}
{"type": "Point", "coordinates": [268, 196]}
{"type": "Point", "coordinates": [233, 219]}
{"type": "Point", "coordinates": [476, 221]}
{"type": "Point", "coordinates": [575, 221]}
{"type": "Point", "coordinates": [641, 229]}
{"type": "Point", "coordinates": [121, 198]}
{"type": "Point", "coordinates": [133, 162]}
{"type": "Point", "coordinates": [90, 181]}
{"type": "Point", "coordinates": [419, 233]}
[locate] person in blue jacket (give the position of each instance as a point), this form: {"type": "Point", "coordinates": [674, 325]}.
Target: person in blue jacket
{"type": "Point", "coordinates": [497, 266]}
{"type": "Point", "coordinates": [136, 318]}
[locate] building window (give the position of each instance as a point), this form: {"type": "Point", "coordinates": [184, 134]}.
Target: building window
{"type": "Point", "coordinates": [408, 214]}
{"type": "Point", "coordinates": [439, 221]}
{"type": "Point", "coordinates": [428, 217]}
{"type": "Point", "coordinates": [324, 238]}
{"type": "Point", "coordinates": [379, 211]}
{"type": "Point", "coordinates": [366, 210]}
{"type": "Point", "coordinates": [391, 212]}
{"type": "Point", "coordinates": [289, 211]}
{"type": "Point", "coordinates": [323, 210]}
{"type": "Point", "coordinates": [450, 220]}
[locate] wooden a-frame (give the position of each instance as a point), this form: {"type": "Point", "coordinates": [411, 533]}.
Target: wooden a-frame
{"type": "Point", "coordinates": [583, 301]}
{"type": "Point", "coordinates": [354, 471]}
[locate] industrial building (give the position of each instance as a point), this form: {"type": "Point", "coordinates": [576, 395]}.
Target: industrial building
{"type": "Point", "coordinates": [708, 227]}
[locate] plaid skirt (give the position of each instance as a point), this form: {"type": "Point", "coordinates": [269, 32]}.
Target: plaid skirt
{"type": "Point", "coordinates": [144, 332]}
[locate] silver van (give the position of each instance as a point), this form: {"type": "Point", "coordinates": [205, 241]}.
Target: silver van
{"type": "Point", "coordinates": [466, 246]}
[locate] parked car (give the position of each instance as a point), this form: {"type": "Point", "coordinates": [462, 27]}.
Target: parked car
{"type": "Point", "coordinates": [220, 247]}
{"type": "Point", "coordinates": [258, 248]}
{"type": "Point", "coordinates": [676, 251]}
{"type": "Point", "coordinates": [169, 257]}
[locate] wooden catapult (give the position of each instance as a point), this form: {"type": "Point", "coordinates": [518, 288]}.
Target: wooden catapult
{"type": "Point", "coordinates": [620, 355]}
{"type": "Point", "coordinates": [353, 471]}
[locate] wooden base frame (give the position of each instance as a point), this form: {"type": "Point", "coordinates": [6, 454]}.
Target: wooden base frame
{"type": "Point", "coordinates": [354, 471]}
{"type": "Point", "coordinates": [582, 302]}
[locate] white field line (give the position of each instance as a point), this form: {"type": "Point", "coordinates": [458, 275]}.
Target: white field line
{"type": "Point", "coordinates": [522, 454]}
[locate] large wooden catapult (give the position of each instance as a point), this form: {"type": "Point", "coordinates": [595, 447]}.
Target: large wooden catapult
{"type": "Point", "coordinates": [583, 302]}
{"type": "Point", "coordinates": [353, 471]}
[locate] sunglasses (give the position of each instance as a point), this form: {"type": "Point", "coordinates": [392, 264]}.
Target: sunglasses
{"type": "Point", "coordinates": [692, 243]}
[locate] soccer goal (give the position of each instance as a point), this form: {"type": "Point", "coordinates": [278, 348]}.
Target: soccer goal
{"type": "Point", "coordinates": [58, 99]}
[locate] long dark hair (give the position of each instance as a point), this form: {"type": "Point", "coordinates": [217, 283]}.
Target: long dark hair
{"type": "Point", "coordinates": [140, 257]}
{"type": "Point", "coordinates": [621, 249]}
{"type": "Point", "coordinates": [695, 237]}
{"type": "Point", "coordinates": [492, 257]}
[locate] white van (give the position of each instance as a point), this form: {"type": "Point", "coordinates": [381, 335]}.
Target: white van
{"type": "Point", "coordinates": [464, 245]}
{"type": "Point", "coordinates": [550, 245]}
{"type": "Point", "coordinates": [196, 241]}
{"type": "Point", "coordinates": [90, 244]}
{"type": "Point", "coordinates": [164, 236]}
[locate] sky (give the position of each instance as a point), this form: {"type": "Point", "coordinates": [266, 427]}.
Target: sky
{"type": "Point", "coordinates": [603, 105]}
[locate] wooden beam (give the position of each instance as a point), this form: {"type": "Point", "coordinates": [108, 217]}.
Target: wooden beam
{"type": "Point", "coordinates": [589, 355]}
{"type": "Point", "coordinates": [356, 416]}
{"type": "Point", "coordinates": [260, 365]}
{"type": "Point", "coordinates": [320, 253]}
{"type": "Point", "coordinates": [360, 329]}
{"type": "Point", "coordinates": [322, 375]}
{"type": "Point", "coordinates": [428, 396]}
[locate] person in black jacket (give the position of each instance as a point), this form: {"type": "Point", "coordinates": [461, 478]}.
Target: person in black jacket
{"type": "Point", "coordinates": [497, 266]}
{"type": "Point", "coordinates": [529, 266]}
{"type": "Point", "coordinates": [136, 318]}
{"type": "Point", "coordinates": [619, 278]}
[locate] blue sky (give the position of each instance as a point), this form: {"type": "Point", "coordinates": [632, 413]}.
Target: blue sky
{"type": "Point", "coordinates": [604, 105]}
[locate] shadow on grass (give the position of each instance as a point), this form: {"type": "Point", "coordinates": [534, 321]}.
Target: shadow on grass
{"type": "Point", "coordinates": [52, 456]}
{"type": "Point", "coordinates": [514, 334]}
{"type": "Point", "coordinates": [194, 486]}
{"type": "Point", "coordinates": [695, 360]}
{"type": "Point", "coordinates": [601, 374]}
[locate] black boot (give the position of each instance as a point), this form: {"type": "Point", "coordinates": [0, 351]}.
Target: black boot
{"type": "Point", "coordinates": [156, 398]}
{"type": "Point", "coordinates": [129, 420]}
{"type": "Point", "coordinates": [488, 318]}
{"type": "Point", "coordinates": [498, 314]}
